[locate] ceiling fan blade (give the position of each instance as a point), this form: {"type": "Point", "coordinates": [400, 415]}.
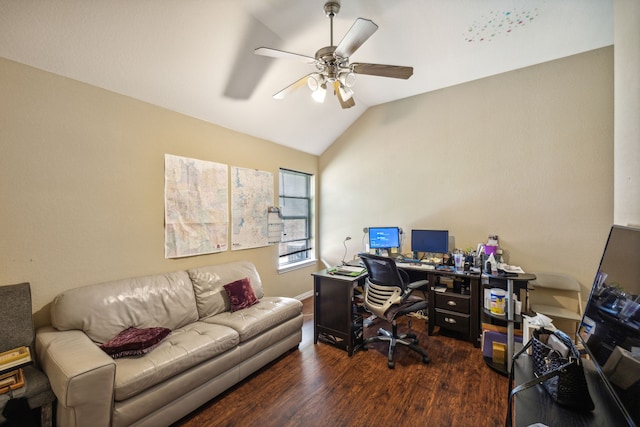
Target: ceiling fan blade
{"type": "Point", "coordinates": [395, 71]}
{"type": "Point", "coordinates": [281, 54]}
{"type": "Point", "coordinates": [293, 86]}
{"type": "Point", "coordinates": [359, 32]}
{"type": "Point", "coordinates": [344, 104]}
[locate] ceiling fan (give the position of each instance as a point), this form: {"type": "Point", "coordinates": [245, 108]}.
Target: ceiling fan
{"type": "Point", "coordinates": [333, 70]}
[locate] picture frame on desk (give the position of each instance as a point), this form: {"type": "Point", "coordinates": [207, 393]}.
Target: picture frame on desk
{"type": "Point", "coordinates": [15, 358]}
{"type": "Point", "coordinates": [12, 380]}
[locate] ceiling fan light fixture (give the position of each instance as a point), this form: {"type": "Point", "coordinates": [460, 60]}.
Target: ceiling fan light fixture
{"type": "Point", "coordinates": [345, 92]}
{"type": "Point", "coordinates": [313, 82]}
{"type": "Point", "coordinates": [348, 79]}
{"type": "Point", "coordinates": [320, 93]}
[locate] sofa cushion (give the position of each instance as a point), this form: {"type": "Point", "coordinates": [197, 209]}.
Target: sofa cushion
{"type": "Point", "coordinates": [240, 294]}
{"type": "Point", "coordinates": [103, 310]}
{"type": "Point", "coordinates": [259, 318]}
{"type": "Point", "coordinates": [208, 285]}
{"type": "Point", "coordinates": [185, 348]}
{"type": "Point", "coordinates": [134, 342]}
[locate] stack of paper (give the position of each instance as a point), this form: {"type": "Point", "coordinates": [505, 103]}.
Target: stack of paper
{"type": "Point", "coordinates": [348, 270]}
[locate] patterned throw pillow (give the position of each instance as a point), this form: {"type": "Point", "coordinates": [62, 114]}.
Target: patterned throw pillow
{"type": "Point", "coordinates": [134, 342]}
{"type": "Point", "coordinates": [241, 294]}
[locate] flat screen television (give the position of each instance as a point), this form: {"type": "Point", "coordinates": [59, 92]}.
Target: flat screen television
{"type": "Point", "coordinates": [610, 328]}
{"type": "Point", "coordinates": [384, 237]}
{"type": "Point", "coordinates": [430, 241]}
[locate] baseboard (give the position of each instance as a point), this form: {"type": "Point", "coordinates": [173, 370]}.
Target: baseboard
{"type": "Point", "coordinates": [304, 296]}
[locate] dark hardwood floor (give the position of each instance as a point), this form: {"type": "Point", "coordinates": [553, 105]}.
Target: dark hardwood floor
{"type": "Point", "coordinates": [320, 385]}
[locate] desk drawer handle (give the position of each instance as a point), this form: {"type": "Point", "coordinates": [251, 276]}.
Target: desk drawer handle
{"type": "Point", "coordinates": [449, 320]}
{"type": "Point", "coordinates": [451, 303]}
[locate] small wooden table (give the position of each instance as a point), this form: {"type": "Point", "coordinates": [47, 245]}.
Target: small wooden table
{"type": "Point", "coordinates": [335, 317]}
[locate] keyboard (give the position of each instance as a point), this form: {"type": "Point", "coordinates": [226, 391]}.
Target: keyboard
{"type": "Point", "coordinates": [409, 260]}
{"type": "Point", "coordinates": [419, 265]}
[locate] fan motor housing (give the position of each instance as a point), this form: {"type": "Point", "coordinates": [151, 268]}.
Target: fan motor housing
{"type": "Point", "coordinates": [331, 8]}
{"type": "Point", "coordinates": [331, 63]}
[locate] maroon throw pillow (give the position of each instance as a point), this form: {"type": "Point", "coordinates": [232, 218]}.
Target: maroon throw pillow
{"type": "Point", "coordinates": [241, 294]}
{"type": "Point", "coordinates": [134, 342]}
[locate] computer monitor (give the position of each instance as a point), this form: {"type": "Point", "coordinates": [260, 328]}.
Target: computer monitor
{"type": "Point", "coordinates": [430, 241]}
{"type": "Point", "coordinates": [384, 237]}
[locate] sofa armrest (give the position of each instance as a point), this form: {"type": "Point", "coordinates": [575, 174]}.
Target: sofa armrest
{"type": "Point", "coordinates": [82, 376]}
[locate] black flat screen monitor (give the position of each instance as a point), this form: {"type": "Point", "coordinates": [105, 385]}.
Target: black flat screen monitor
{"type": "Point", "coordinates": [610, 329]}
{"type": "Point", "coordinates": [431, 241]}
{"type": "Point", "coordinates": [384, 237]}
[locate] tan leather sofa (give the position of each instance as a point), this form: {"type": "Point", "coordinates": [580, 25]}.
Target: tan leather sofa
{"type": "Point", "coordinates": [209, 349]}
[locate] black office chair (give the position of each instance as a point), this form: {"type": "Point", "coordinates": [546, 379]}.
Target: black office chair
{"type": "Point", "coordinates": [16, 330]}
{"type": "Point", "coordinates": [388, 295]}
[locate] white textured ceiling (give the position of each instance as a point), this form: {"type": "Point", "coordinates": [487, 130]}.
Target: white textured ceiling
{"type": "Point", "coordinates": [196, 57]}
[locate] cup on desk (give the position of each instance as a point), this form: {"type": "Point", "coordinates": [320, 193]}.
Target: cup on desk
{"type": "Point", "coordinates": [628, 310]}
{"type": "Point", "coordinates": [458, 260]}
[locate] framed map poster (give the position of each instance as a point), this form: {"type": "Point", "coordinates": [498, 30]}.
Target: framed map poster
{"type": "Point", "coordinates": [251, 197]}
{"type": "Point", "coordinates": [196, 206]}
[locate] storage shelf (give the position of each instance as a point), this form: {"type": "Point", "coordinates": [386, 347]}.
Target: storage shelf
{"type": "Point", "coordinates": [517, 317]}
{"type": "Point", "coordinates": [513, 284]}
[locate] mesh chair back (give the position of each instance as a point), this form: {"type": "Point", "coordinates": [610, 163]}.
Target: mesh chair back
{"type": "Point", "coordinates": [384, 286]}
{"type": "Point", "coordinates": [382, 270]}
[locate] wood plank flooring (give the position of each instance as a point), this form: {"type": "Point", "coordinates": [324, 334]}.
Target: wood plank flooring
{"type": "Point", "coordinates": [320, 385]}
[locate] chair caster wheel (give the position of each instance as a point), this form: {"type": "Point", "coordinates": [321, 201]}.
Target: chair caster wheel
{"type": "Point", "coordinates": [425, 359]}
{"type": "Point", "coordinates": [391, 365]}
{"type": "Point", "coordinates": [365, 347]}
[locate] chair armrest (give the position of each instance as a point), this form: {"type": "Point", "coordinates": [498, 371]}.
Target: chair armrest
{"type": "Point", "coordinates": [417, 284]}
{"type": "Point", "coordinates": [82, 376]}
{"type": "Point", "coordinates": [413, 286]}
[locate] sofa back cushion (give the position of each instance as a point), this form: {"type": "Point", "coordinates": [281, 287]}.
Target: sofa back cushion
{"type": "Point", "coordinates": [208, 285]}
{"type": "Point", "coordinates": [104, 310]}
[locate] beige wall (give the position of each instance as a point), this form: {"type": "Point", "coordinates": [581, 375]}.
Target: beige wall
{"type": "Point", "coordinates": [527, 155]}
{"type": "Point", "coordinates": [627, 108]}
{"type": "Point", "coordinates": [82, 184]}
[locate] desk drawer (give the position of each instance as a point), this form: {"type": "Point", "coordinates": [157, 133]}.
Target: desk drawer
{"type": "Point", "coordinates": [452, 320]}
{"type": "Point", "coordinates": [453, 302]}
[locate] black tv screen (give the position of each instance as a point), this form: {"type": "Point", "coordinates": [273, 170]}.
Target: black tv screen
{"type": "Point", "coordinates": [384, 237]}
{"type": "Point", "coordinates": [432, 241]}
{"type": "Point", "coordinates": [610, 328]}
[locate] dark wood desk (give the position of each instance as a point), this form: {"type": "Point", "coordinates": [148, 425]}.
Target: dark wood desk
{"type": "Point", "coordinates": [451, 310]}
{"type": "Point", "coordinates": [335, 318]}
{"type": "Point", "coordinates": [534, 405]}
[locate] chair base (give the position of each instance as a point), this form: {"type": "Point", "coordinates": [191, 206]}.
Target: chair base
{"type": "Point", "coordinates": [393, 339]}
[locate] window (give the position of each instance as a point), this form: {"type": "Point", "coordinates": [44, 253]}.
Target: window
{"type": "Point", "coordinates": [296, 207]}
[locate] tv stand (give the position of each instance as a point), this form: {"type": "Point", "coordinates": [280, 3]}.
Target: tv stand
{"type": "Point", "coordinates": [534, 405]}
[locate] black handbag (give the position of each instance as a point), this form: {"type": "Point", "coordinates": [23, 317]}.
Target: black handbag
{"type": "Point", "coordinates": [562, 375]}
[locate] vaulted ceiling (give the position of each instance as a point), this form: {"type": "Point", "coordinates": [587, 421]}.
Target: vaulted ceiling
{"type": "Point", "coordinates": [196, 57]}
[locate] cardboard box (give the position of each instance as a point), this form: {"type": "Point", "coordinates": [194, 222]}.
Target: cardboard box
{"type": "Point", "coordinates": [499, 353]}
